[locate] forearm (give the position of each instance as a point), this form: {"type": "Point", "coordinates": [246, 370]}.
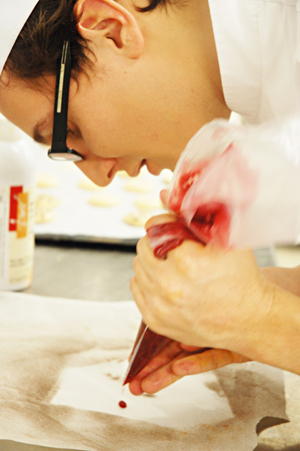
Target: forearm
{"type": "Point", "coordinates": [277, 342]}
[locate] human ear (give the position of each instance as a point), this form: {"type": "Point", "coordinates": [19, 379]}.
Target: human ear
{"type": "Point", "coordinates": [106, 22]}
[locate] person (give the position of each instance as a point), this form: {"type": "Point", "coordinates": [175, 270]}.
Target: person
{"type": "Point", "coordinates": [146, 75]}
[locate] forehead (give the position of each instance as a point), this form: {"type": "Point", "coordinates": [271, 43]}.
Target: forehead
{"type": "Point", "coordinates": [24, 103]}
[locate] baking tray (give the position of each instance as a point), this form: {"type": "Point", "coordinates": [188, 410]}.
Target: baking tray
{"type": "Point", "coordinates": [74, 218]}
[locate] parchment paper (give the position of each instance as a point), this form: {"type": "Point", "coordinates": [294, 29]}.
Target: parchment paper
{"type": "Point", "coordinates": [62, 364]}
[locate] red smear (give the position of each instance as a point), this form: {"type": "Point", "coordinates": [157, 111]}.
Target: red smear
{"type": "Point", "coordinates": [122, 404]}
{"type": "Point", "coordinates": [173, 232]}
{"type": "Point", "coordinates": [211, 223]}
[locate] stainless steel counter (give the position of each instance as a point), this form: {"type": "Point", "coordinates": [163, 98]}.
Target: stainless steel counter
{"type": "Point", "coordinates": [87, 271]}
{"type": "Point", "coordinates": [91, 271]}
{"type": "Point", "coordinates": [102, 273]}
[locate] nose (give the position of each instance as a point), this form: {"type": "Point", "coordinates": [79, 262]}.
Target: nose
{"type": "Point", "coordinates": [100, 170]}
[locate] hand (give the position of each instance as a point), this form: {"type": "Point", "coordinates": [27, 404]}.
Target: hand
{"type": "Point", "coordinates": [202, 296]}
{"type": "Point", "coordinates": [286, 278]}
{"type": "Point", "coordinates": [178, 360]}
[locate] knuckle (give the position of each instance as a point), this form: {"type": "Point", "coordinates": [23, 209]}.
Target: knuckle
{"type": "Point", "coordinates": [165, 289]}
{"type": "Point", "coordinates": [182, 260]}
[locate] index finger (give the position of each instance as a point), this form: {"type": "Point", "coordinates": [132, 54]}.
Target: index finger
{"type": "Point", "coordinates": [163, 361]}
{"type": "Point", "coordinates": [160, 219]}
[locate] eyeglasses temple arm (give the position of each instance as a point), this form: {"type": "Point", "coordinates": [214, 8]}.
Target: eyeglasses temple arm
{"type": "Point", "coordinates": [62, 98]}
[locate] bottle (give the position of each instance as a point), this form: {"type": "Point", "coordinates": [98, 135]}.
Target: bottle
{"type": "Point", "coordinates": [17, 208]}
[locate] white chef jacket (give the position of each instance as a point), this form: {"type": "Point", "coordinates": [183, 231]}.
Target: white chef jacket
{"type": "Point", "coordinates": [258, 46]}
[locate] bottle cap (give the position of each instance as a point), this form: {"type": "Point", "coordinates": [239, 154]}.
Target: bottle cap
{"type": "Point", "coordinates": [14, 14]}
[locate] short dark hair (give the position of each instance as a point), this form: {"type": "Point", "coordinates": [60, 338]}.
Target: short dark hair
{"type": "Point", "coordinates": [37, 49]}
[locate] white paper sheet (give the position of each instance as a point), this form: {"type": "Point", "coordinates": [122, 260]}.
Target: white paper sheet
{"type": "Point", "coordinates": [62, 365]}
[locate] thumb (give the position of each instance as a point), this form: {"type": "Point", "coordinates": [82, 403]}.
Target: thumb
{"type": "Point", "coordinates": [164, 196]}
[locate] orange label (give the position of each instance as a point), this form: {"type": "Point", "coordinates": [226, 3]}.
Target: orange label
{"type": "Point", "coordinates": [22, 221]}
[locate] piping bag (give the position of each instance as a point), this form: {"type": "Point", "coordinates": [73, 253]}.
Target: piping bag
{"type": "Point", "coordinates": [233, 186]}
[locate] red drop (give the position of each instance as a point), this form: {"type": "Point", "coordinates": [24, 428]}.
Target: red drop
{"type": "Point", "coordinates": [122, 404]}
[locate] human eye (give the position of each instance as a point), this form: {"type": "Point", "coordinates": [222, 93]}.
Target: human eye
{"type": "Point", "coordinates": [70, 132]}
{"type": "Point", "coordinates": [73, 131]}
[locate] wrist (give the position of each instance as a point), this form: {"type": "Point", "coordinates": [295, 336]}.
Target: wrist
{"type": "Point", "coordinates": [286, 278]}
{"type": "Point", "coordinates": [275, 339]}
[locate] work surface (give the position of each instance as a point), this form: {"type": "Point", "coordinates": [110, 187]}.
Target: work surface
{"type": "Point", "coordinates": [102, 273]}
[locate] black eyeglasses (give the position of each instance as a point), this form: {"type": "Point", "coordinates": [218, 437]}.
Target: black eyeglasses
{"type": "Point", "coordinates": [59, 150]}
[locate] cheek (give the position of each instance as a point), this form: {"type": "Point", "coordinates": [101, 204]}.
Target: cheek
{"type": "Point", "coordinates": [111, 128]}
{"type": "Point", "coordinates": [108, 120]}
{"type": "Point", "coordinates": [102, 139]}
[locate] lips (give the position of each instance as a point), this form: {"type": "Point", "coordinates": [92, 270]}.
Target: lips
{"type": "Point", "coordinates": [154, 170]}
{"type": "Point", "coordinates": [135, 171]}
